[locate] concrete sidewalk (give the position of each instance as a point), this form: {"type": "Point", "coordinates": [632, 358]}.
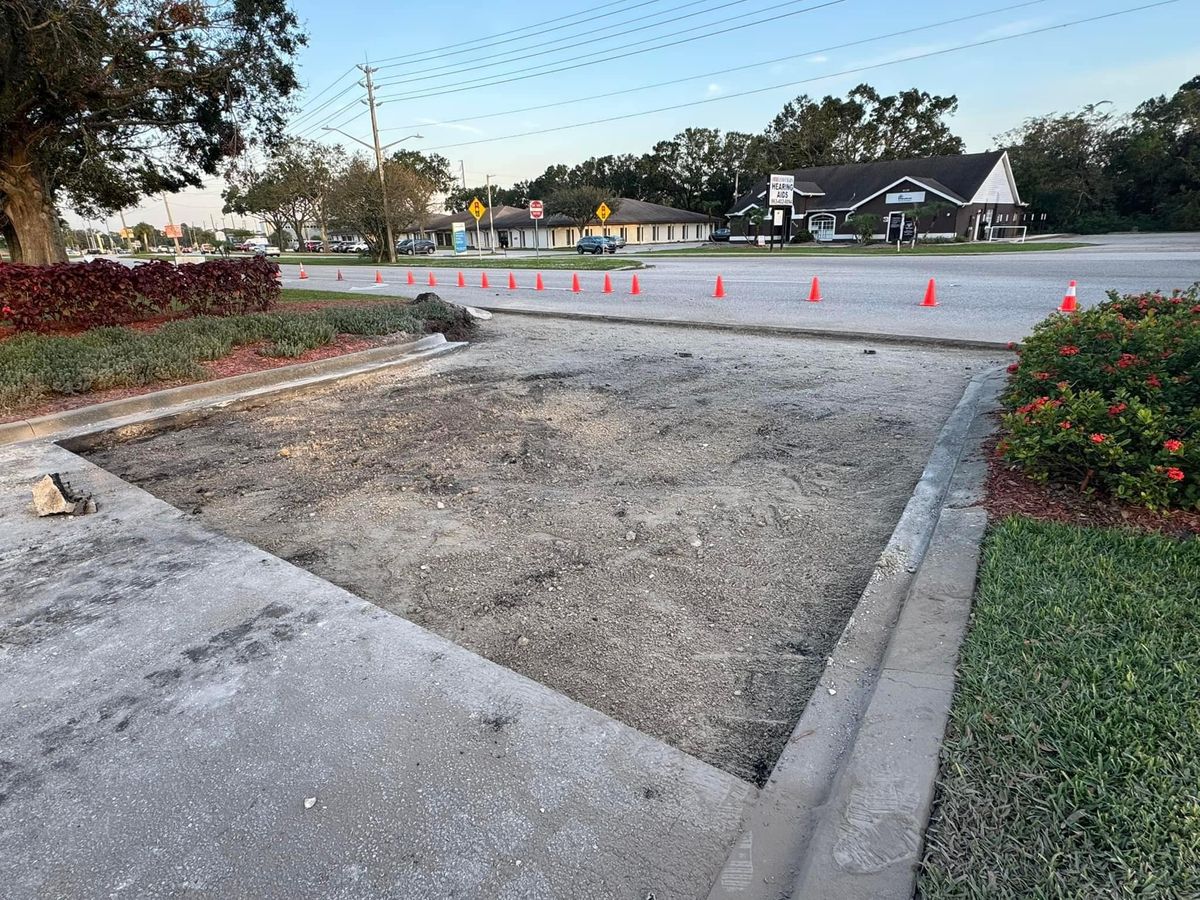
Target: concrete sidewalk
{"type": "Point", "coordinates": [172, 699]}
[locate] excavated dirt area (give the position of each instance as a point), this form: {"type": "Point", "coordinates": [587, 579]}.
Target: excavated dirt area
{"type": "Point", "coordinates": [671, 526]}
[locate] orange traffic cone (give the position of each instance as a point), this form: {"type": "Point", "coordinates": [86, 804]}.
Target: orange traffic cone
{"type": "Point", "coordinates": [512, 281]}
{"type": "Point", "coordinates": [462, 282]}
{"type": "Point", "coordinates": [930, 294]}
{"type": "Point", "coordinates": [607, 283]}
{"type": "Point", "coordinates": [814, 293]}
{"type": "Point", "coordinates": [378, 277]}
{"type": "Point", "coordinates": [1069, 303]}
{"type": "Point", "coordinates": [483, 282]}
{"type": "Point", "coordinates": [720, 289]}
{"type": "Point", "coordinates": [340, 278]}
{"type": "Point", "coordinates": [537, 284]}
{"type": "Point", "coordinates": [635, 288]}
{"type": "Point", "coordinates": [303, 274]}
{"type": "Point", "coordinates": [410, 279]}
{"type": "Point", "coordinates": [575, 288]}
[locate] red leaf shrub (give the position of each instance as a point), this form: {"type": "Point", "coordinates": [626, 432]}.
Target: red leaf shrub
{"type": "Point", "coordinates": [1110, 398]}
{"type": "Point", "coordinates": [103, 292]}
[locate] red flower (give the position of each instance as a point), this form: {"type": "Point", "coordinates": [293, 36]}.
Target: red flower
{"type": "Point", "coordinates": [1172, 445]}
{"type": "Point", "coordinates": [1153, 381]}
{"type": "Point", "coordinates": [1099, 438]}
{"type": "Point", "coordinates": [1117, 408]}
{"type": "Point", "coordinates": [1064, 425]}
{"type": "Point", "coordinates": [1012, 345]}
{"type": "Point", "coordinates": [1041, 376]}
{"type": "Point", "coordinates": [1175, 474]}
{"type": "Point", "coordinates": [1012, 368]}
{"type": "Point", "coordinates": [1126, 360]}
{"type": "Point", "coordinates": [1069, 350]}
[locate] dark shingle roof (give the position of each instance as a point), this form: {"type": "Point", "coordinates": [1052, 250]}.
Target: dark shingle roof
{"type": "Point", "coordinates": [845, 185]}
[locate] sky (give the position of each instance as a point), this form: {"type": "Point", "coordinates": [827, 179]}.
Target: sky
{"type": "Point", "coordinates": [465, 76]}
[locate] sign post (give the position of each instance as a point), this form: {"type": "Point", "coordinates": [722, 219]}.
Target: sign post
{"type": "Point", "coordinates": [780, 197]}
{"type": "Point", "coordinates": [602, 213]}
{"type": "Point", "coordinates": [536, 212]}
{"type": "Point", "coordinates": [477, 209]}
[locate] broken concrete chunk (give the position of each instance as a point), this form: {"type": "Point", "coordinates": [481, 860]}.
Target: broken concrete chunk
{"type": "Point", "coordinates": [53, 497]}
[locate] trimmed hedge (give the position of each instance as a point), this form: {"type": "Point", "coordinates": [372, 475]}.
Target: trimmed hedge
{"type": "Point", "coordinates": [103, 292]}
{"type": "Point", "coordinates": [1110, 398]}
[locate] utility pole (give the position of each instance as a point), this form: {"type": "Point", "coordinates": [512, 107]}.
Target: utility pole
{"type": "Point", "coordinates": [378, 148]}
{"type": "Point", "coordinates": [462, 171]}
{"type": "Point", "coordinates": [387, 214]}
{"type": "Point", "coordinates": [171, 222]}
{"type": "Point", "coordinates": [491, 218]}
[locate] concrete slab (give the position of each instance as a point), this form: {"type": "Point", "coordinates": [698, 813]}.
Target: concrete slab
{"type": "Point", "coordinates": [184, 714]}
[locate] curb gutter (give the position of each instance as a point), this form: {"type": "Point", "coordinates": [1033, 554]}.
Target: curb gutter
{"type": "Point", "coordinates": [845, 807]}
{"type": "Point", "coordinates": [191, 401]}
{"type": "Point", "coordinates": [777, 330]}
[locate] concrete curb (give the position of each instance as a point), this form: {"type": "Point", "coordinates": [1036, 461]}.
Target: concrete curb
{"type": "Point", "coordinates": [811, 788]}
{"type": "Point", "coordinates": [773, 330]}
{"type": "Point", "coordinates": [189, 401]}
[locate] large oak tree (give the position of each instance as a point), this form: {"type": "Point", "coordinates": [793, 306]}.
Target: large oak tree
{"type": "Point", "coordinates": [105, 101]}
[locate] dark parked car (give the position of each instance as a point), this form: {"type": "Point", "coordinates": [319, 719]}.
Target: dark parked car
{"type": "Point", "coordinates": [595, 244]}
{"type": "Point", "coordinates": [412, 248]}
{"type": "Point", "coordinates": [720, 234]}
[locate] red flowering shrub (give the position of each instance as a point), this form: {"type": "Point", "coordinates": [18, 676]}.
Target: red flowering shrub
{"type": "Point", "coordinates": [1110, 398]}
{"type": "Point", "coordinates": [103, 292]}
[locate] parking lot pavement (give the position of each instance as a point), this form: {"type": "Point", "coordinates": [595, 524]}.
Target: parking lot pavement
{"type": "Point", "coordinates": [992, 297]}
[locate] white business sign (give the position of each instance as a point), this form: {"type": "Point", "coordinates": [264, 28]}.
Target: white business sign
{"type": "Point", "coordinates": [907, 197]}
{"type": "Point", "coordinates": [781, 190]}
{"type": "Point", "coordinates": [536, 210]}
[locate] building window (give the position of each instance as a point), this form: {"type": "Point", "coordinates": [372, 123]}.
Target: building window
{"type": "Point", "coordinates": [639, 234]}
{"type": "Point", "coordinates": [822, 226]}
{"type": "Point", "coordinates": [685, 230]}
{"type": "Point", "coordinates": [624, 236]}
{"type": "Point", "coordinates": [654, 232]}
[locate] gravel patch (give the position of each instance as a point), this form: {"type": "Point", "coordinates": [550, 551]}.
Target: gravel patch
{"type": "Point", "coordinates": [671, 527]}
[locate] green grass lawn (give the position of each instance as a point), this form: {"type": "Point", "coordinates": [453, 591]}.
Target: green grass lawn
{"type": "Point", "coordinates": [1071, 767]}
{"type": "Point", "coordinates": [35, 368]}
{"type": "Point", "coordinates": [872, 250]}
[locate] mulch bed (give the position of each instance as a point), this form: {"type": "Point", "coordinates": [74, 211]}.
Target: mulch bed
{"type": "Point", "coordinates": [1012, 493]}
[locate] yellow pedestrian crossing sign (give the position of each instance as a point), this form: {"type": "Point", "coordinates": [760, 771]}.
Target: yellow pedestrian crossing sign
{"type": "Point", "coordinates": [603, 212]}
{"type": "Point", "coordinates": [476, 209]}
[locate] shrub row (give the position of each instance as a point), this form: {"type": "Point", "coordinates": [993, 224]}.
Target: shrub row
{"type": "Point", "coordinates": [103, 292]}
{"type": "Point", "coordinates": [34, 367]}
{"type": "Point", "coordinates": [1110, 398]}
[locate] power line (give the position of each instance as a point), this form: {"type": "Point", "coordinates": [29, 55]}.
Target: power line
{"type": "Point", "coordinates": [324, 90]}
{"type": "Point", "coordinates": [791, 84]}
{"type": "Point", "coordinates": [742, 68]}
{"type": "Point", "coordinates": [459, 47]}
{"type": "Point", "coordinates": [593, 37]}
{"type": "Point", "coordinates": [555, 70]}
{"type": "Point", "coordinates": [296, 122]}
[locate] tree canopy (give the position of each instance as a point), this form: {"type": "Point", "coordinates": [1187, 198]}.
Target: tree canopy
{"type": "Point", "coordinates": [102, 103]}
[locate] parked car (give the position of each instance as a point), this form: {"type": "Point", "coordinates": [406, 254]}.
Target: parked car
{"type": "Point", "coordinates": [336, 246]}
{"type": "Point", "coordinates": [413, 247]}
{"type": "Point", "coordinates": [595, 244]}
{"type": "Point", "coordinates": [720, 234]}
{"type": "Point", "coordinates": [314, 246]}
{"type": "Point", "coordinates": [356, 247]}
{"type": "Point", "coordinates": [616, 240]}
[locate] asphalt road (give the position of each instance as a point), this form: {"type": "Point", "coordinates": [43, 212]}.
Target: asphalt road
{"type": "Point", "coordinates": [995, 297]}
